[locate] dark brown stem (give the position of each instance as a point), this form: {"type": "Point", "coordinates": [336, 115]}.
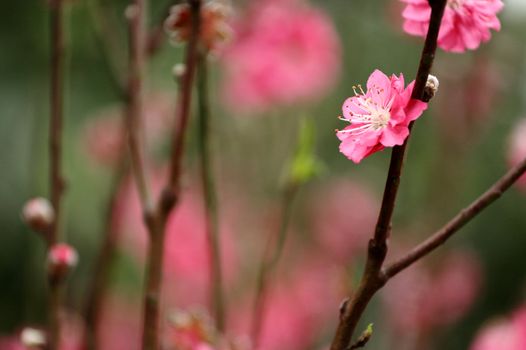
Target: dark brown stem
{"type": "Point", "coordinates": [455, 224]}
{"type": "Point", "coordinates": [183, 104]}
{"type": "Point", "coordinates": [209, 194]}
{"type": "Point", "coordinates": [271, 256]}
{"type": "Point", "coordinates": [169, 197]}
{"type": "Point", "coordinates": [55, 154]}
{"type": "Point", "coordinates": [372, 279]}
{"type": "Point", "coordinates": [136, 17]}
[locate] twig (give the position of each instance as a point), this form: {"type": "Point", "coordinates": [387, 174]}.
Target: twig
{"type": "Point", "coordinates": [209, 192]}
{"type": "Point", "coordinates": [183, 107]}
{"type": "Point", "coordinates": [55, 155]}
{"type": "Point", "coordinates": [372, 279]}
{"type": "Point", "coordinates": [134, 108]}
{"type": "Point", "coordinates": [170, 194]}
{"type": "Point", "coordinates": [99, 283]}
{"type": "Point", "coordinates": [270, 259]}
{"type": "Point", "coordinates": [455, 224]}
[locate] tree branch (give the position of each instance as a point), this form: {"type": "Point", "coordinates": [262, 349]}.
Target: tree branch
{"type": "Point", "coordinates": [210, 196]}
{"type": "Point", "coordinates": [55, 155]}
{"type": "Point", "coordinates": [456, 223]}
{"type": "Point", "coordinates": [372, 279]}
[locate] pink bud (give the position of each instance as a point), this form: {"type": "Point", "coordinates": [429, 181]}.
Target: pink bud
{"type": "Point", "coordinates": [38, 213]}
{"type": "Point", "coordinates": [61, 258]}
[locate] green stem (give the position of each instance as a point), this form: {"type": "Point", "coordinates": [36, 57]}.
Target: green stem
{"type": "Point", "coordinates": [209, 192]}
{"type": "Point", "coordinates": [269, 261]}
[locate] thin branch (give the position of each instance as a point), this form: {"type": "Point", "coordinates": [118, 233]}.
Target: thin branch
{"type": "Point", "coordinates": [372, 279]}
{"type": "Point", "coordinates": [455, 224]}
{"type": "Point", "coordinates": [134, 108]}
{"type": "Point", "coordinates": [171, 191]}
{"type": "Point", "coordinates": [269, 261]}
{"type": "Point", "coordinates": [169, 196]}
{"type": "Point", "coordinates": [55, 155]}
{"type": "Point", "coordinates": [209, 194]}
{"type": "Point", "coordinates": [101, 274]}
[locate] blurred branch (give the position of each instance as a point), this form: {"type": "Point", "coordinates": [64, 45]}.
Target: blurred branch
{"type": "Point", "coordinates": [372, 279]}
{"type": "Point", "coordinates": [456, 223]}
{"type": "Point", "coordinates": [209, 192]}
{"type": "Point", "coordinates": [100, 278]}
{"type": "Point", "coordinates": [170, 194]}
{"type": "Point", "coordinates": [109, 43]}
{"type": "Point", "coordinates": [55, 154]}
{"type": "Point", "coordinates": [270, 259]}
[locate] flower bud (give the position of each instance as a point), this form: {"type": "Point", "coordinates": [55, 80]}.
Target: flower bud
{"type": "Point", "coordinates": [61, 259]}
{"type": "Point", "coordinates": [33, 338]}
{"type": "Point", "coordinates": [431, 87]}
{"type": "Point", "coordinates": [178, 70]}
{"type": "Point", "coordinates": [38, 214]}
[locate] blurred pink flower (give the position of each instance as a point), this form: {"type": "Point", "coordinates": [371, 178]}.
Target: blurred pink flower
{"type": "Point", "coordinates": [186, 264]}
{"type": "Point", "coordinates": [299, 306]}
{"type": "Point", "coordinates": [466, 23]}
{"type": "Point", "coordinates": [283, 52]}
{"type": "Point", "coordinates": [119, 327]}
{"type": "Point", "coordinates": [103, 135]}
{"type": "Point", "coordinates": [419, 300]}
{"type": "Point", "coordinates": [343, 215]}
{"type": "Point", "coordinates": [517, 148]}
{"type": "Point", "coordinates": [379, 117]}
{"type": "Point", "coordinates": [503, 334]}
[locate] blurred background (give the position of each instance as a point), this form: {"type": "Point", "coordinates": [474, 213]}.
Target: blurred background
{"type": "Point", "coordinates": [460, 146]}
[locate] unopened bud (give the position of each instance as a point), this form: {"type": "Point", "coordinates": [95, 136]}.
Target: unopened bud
{"type": "Point", "coordinates": [61, 259]}
{"type": "Point", "coordinates": [38, 213]}
{"type": "Point", "coordinates": [431, 87]}
{"type": "Point", "coordinates": [33, 338]}
{"type": "Point", "coordinates": [178, 70]}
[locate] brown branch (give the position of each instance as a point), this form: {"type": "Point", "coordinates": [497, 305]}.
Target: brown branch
{"type": "Point", "coordinates": [134, 108]}
{"type": "Point", "coordinates": [372, 279]}
{"type": "Point", "coordinates": [184, 99]}
{"type": "Point", "coordinates": [99, 283]}
{"type": "Point", "coordinates": [170, 194]}
{"type": "Point", "coordinates": [55, 155]}
{"type": "Point", "coordinates": [455, 224]}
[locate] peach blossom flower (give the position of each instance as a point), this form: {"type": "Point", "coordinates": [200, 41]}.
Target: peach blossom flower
{"type": "Point", "coordinates": [503, 334]}
{"type": "Point", "coordinates": [379, 118]}
{"type": "Point", "coordinates": [341, 232]}
{"type": "Point", "coordinates": [420, 299]}
{"type": "Point", "coordinates": [283, 52]}
{"type": "Point", "coordinates": [186, 264]}
{"type": "Point", "coordinates": [466, 23]}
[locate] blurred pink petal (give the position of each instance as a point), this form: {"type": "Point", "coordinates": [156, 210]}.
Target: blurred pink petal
{"type": "Point", "coordinates": [283, 52]}
{"type": "Point", "coordinates": [465, 25]}
{"type": "Point", "coordinates": [503, 334]}
{"type": "Point", "coordinates": [343, 214]}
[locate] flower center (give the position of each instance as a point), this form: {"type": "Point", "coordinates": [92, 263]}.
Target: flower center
{"type": "Point", "coordinates": [375, 116]}
{"type": "Point", "coordinates": [454, 4]}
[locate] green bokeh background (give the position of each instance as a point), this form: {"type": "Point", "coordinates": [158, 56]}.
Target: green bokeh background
{"type": "Point", "coordinates": [440, 176]}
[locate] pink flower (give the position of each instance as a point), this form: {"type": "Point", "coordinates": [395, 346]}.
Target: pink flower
{"type": "Point", "coordinates": [283, 52]}
{"type": "Point", "coordinates": [379, 117]}
{"type": "Point", "coordinates": [340, 231]}
{"type": "Point", "coordinates": [517, 148]}
{"type": "Point", "coordinates": [186, 264]}
{"type": "Point", "coordinates": [503, 334]}
{"type": "Point", "coordinates": [422, 299]}
{"type": "Point", "coordinates": [465, 25]}
{"type": "Point", "coordinates": [38, 213]}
